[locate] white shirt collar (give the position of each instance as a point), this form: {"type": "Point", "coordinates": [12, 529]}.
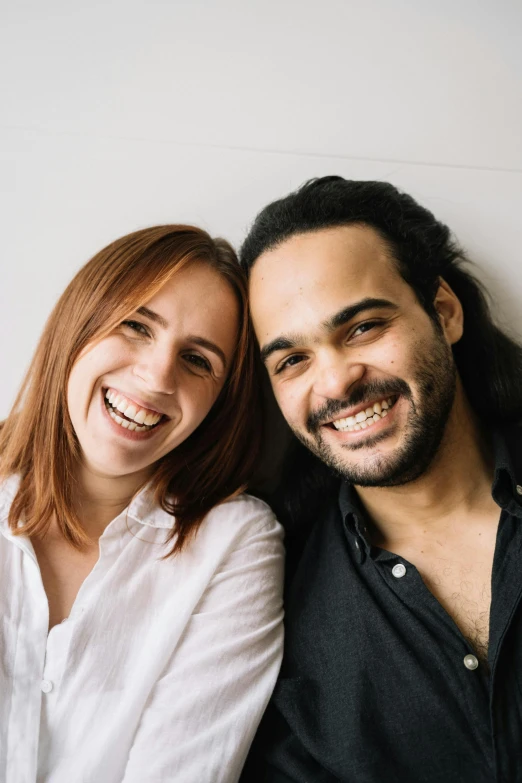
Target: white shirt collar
{"type": "Point", "coordinates": [145, 511]}
{"type": "Point", "coordinates": [141, 508]}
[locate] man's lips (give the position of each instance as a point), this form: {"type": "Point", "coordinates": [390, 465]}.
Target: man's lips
{"type": "Point", "coordinates": [363, 406]}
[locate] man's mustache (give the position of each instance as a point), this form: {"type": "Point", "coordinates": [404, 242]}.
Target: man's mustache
{"type": "Point", "coordinates": [363, 393]}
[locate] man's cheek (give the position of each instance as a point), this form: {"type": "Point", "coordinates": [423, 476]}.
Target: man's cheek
{"type": "Point", "coordinates": [290, 405]}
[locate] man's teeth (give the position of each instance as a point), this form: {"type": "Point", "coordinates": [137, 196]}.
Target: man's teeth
{"type": "Point", "coordinates": [364, 419]}
{"type": "Point", "coordinates": [142, 419]}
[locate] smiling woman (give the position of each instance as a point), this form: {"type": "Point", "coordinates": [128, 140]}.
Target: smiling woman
{"type": "Point", "coordinates": [122, 464]}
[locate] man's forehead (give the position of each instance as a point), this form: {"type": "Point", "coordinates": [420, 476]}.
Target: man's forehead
{"type": "Point", "coordinates": [322, 270]}
{"type": "Point", "coordinates": [342, 250]}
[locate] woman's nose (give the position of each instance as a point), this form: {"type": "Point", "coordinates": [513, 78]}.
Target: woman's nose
{"type": "Point", "coordinates": [158, 372]}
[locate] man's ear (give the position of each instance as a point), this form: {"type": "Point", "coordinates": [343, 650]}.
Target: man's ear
{"type": "Point", "coordinates": [449, 310]}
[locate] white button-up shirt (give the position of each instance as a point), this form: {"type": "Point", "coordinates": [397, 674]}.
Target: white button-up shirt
{"type": "Point", "coordinates": [163, 668]}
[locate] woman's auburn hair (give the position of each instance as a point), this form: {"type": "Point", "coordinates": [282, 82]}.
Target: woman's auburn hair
{"type": "Point", "coordinates": [37, 440]}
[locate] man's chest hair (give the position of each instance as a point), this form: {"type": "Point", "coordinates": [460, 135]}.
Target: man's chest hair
{"type": "Point", "coordinates": [457, 571]}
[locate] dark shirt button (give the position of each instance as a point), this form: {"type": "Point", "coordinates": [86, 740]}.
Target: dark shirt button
{"type": "Point", "coordinates": [470, 662]}
{"type": "Point", "coordinates": [399, 570]}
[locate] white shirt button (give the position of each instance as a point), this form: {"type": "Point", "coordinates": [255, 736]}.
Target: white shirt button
{"type": "Point", "coordinates": [519, 489]}
{"type": "Point", "coordinates": [470, 662]}
{"type": "Point", "coordinates": [399, 570]}
{"type": "Point", "coordinates": [46, 686]}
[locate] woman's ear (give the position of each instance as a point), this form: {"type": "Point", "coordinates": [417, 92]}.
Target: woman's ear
{"type": "Point", "coordinates": [449, 310]}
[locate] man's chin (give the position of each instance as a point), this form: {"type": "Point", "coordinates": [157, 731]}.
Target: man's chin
{"type": "Point", "coordinates": [377, 469]}
{"type": "Point", "coordinates": [369, 461]}
{"type": "Point", "coordinates": [376, 460]}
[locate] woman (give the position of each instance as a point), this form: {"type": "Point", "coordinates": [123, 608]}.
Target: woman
{"type": "Point", "coordinates": [140, 592]}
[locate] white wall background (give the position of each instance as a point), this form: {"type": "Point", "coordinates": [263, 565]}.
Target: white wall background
{"type": "Point", "coordinates": [120, 114]}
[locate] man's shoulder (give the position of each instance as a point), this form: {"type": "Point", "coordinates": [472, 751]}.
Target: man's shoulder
{"type": "Point", "coordinates": [309, 530]}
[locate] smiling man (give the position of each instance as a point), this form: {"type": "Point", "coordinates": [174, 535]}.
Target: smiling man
{"type": "Point", "coordinates": [404, 620]}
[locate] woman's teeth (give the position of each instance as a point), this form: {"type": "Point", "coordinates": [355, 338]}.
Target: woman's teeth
{"type": "Point", "coordinates": [133, 417]}
{"type": "Point", "coordinates": [364, 419]}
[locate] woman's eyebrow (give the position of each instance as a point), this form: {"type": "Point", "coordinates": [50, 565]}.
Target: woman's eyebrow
{"type": "Point", "coordinates": [156, 317]}
{"type": "Point", "coordinates": [201, 341]}
{"type": "Point", "coordinates": [210, 346]}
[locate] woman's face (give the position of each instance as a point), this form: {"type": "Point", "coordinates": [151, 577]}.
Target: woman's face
{"type": "Point", "coordinates": [142, 390]}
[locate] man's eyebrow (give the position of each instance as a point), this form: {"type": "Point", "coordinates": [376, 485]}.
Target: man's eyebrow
{"type": "Point", "coordinates": [347, 313]}
{"type": "Point", "coordinates": [283, 343]}
{"type": "Point", "coordinates": [279, 344]}
{"type": "Point", "coordinates": [156, 317]}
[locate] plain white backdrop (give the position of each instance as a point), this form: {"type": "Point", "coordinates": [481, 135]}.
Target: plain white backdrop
{"type": "Point", "coordinates": [117, 115]}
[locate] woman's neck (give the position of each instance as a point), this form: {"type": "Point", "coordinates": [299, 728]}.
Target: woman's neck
{"type": "Point", "coordinates": [101, 498]}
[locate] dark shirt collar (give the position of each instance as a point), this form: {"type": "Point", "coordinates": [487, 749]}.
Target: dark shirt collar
{"type": "Point", "coordinates": [506, 489]}
{"type": "Point", "coordinates": [354, 519]}
{"type": "Point", "coordinates": [507, 481]}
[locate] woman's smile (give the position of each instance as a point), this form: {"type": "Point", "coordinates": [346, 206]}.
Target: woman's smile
{"type": "Point", "coordinates": [128, 420]}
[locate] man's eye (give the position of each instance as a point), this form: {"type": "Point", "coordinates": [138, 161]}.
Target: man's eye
{"type": "Point", "coordinates": [291, 361]}
{"type": "Point", "coordinates": [198, 361]}
{"type": "Point", "coordinates": [136, 326]}
{"type": "Point", "coordinates": [365, 327]}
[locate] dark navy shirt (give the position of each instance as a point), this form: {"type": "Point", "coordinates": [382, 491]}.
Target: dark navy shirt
{"type": "Point", "coordinates": [376, 684]}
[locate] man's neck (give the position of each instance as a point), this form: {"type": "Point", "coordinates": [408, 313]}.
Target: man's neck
{"type": "Point", "coordinates": [457, 484]}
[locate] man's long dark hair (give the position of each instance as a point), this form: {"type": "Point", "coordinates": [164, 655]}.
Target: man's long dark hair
{"type": "Point", "coordinates": [488, 360]}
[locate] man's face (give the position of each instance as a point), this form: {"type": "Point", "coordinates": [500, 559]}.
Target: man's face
{"type": "Point", "coordinates": [364, 377]}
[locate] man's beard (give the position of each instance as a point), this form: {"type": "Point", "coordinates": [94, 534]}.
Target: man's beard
{"type": "Point", "coordinates": [423, 433]}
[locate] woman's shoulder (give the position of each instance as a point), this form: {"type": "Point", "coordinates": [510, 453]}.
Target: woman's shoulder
{"type": "Point", "coordinates": [246, 503]}
{"type": "Point", "coordinates": [247, 510]}
{"type": "Point", "coordinates": [243, 532]}
{"type": "Point", "coordinates": [237, 520]}
{"type": "Point", "coordinates": [242, 520]}
{"type": "Point", "coordinates": [244, 513]}
{"type": "Point", "coordinates": [8, 489]}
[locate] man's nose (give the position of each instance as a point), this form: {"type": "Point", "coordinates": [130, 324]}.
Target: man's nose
{"type": "Point", "coordinates": [335, 376]}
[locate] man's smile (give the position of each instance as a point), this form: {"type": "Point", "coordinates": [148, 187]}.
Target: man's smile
{"type": "Point", "coordinates": [363, 416]}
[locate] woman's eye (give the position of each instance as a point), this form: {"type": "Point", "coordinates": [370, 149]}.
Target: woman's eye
{"type": "Point", "coordinates": [198, 361]}
{"type": "Point", "coordinates": [136, 326]}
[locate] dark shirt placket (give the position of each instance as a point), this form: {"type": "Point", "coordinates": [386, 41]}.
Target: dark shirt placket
{"type": "Point", "coordinates": [374, 686]}
{"type": "Point", "coordinates": [434, 635]}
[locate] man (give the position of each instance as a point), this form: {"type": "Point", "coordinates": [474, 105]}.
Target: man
{"type": "Point", "coordinates": [403, 660]}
